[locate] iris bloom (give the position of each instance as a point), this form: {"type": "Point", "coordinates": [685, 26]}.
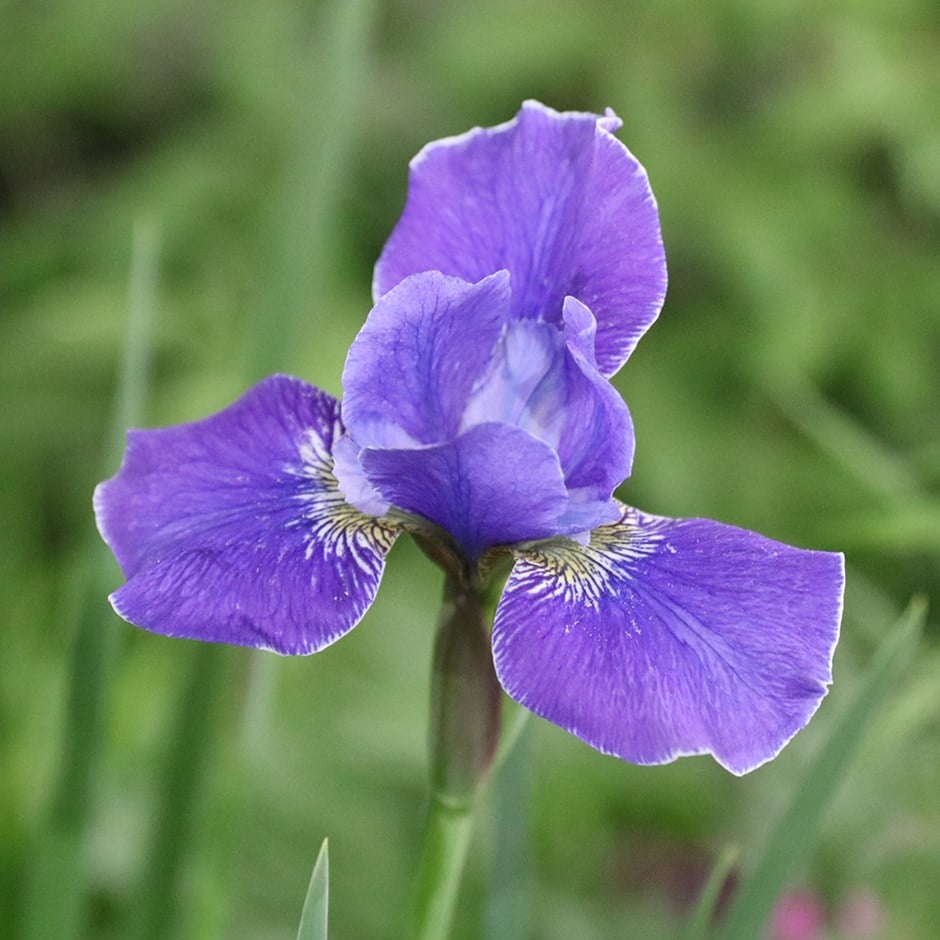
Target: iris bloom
{"type": "Point", "coordinates": [479, 415]}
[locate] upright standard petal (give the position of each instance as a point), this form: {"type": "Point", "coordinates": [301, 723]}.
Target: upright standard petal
{"type": "Point", "coordinates": [232, 530]}
{"type": "Point", "coordinates": [410, 370]}
{"type": "Point", "coordinates": [555, 199]}
{"type": "Point", "coordinates": [495, 429]}
{"type": "Point", "coordinates": [543, 378]}
{"type": "Point", "coordinates": [596, 447]}
{"type": "Point", "coordinates": [668, 637]}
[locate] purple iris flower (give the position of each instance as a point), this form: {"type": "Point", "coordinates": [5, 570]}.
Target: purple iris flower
{"type": "Point", "coordinates": [478, 413]}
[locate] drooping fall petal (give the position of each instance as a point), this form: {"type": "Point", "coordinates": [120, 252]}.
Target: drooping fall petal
{"type": "Point", "coordinates": [232, 530]}
{"type": "Point", "coordinates": [668, 637]}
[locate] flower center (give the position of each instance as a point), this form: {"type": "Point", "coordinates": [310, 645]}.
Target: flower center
{"type": "Point", "coordinates": [524, 383]}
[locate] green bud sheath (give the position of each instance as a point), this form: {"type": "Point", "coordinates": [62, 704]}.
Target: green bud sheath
{"type": "Point", "coordinates": [465, 697]}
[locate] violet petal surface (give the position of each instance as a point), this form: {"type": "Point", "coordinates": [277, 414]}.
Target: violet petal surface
{"type": "Point", "coordinates": [556, 200]}
{"type": "Point", "coordinates": [493, 485]}
{"type": "Point", "coordinates": [439, 368]}
{"type": "Point", "coordinates": [232, 530]}
{"type": "Point", "coordinates": [411, 367]}
{"type": "Point", "coordinates": [669, 637]}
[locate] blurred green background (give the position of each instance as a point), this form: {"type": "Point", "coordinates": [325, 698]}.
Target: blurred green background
{"type": "Point", "coordinates": [791, 386]}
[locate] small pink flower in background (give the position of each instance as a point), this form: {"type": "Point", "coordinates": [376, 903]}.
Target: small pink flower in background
{"type": "Point", "coordinates": [799, 915]}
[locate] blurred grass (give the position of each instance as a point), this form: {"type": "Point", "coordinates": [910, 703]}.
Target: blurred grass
{"type": "Point", "coordinates": [790, 386]}
{"type": "Point", "coordinates": [55, 875]}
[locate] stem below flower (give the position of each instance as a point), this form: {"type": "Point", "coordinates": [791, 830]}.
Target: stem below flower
{"type": "Point", "coordinates": [445, 852]}
{"type": "Point", "coordinates": [464, 732]}
{"type": "Point", "coordinates": [465, 698]}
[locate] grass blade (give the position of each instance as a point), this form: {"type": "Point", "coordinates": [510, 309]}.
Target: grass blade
{"type": "Point", "coordinates": [313, 920]}
{"type": "Point", "coordinates": [704, 911]}
{"type": "Point", "coordinates": [873, 465]}
{"type": "Point", "coordinates": [794, 834]}
{"type": "Point", "coordinates": [304, 216]}
{"type": "Point", "coordinates": [158, 909]}
{"type": "Point", "coordinates": [54, 895]}
{"type": "Point", "coordinates": [508, 910]}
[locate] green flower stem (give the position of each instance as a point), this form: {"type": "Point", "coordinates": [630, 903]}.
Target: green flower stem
{"type": "Point", "coordinates": [445, 853]}
{"type": "Point", "coordinates": [465, 697]}
{"type": "Point", "coordinates": [464, 733]}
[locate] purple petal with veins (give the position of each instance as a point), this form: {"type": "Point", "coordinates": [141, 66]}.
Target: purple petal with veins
{"type": "Point", "coordinates": [555, 199]}
{"type": "Point", "coordinates": [232, 529]}
{"type": "Point", "coordinates": [667, 637]}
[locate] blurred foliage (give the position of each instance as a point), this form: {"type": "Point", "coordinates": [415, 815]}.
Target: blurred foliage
{"type": "Point", "coordinates": [790, 387]}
